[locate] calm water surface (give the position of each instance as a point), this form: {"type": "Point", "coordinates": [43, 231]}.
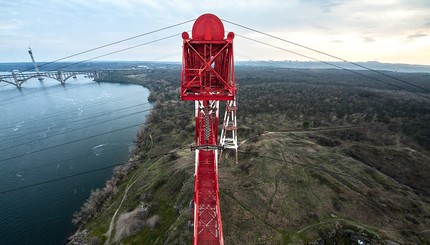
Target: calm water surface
{"type": "Point", "coordinates": [50, 131]}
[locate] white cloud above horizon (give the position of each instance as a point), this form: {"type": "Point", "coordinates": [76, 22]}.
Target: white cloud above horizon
{"type": "Point", "coordinates": [394, 31]}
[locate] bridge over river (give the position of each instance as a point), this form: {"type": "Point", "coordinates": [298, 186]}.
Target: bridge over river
{"type": "Point", "coordinates": [17, 78]}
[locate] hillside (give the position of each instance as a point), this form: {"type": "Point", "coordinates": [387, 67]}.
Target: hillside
{"type": "Point", "coordinates": [325, 157]}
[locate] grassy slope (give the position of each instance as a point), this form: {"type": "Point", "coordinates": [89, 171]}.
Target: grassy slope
{"type": "Point", "coordinates": [294, 188]}
{"type": "Point", "coordinates": [289, 187]}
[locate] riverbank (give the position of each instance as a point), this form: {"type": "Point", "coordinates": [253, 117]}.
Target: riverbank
{"type": "Point", "coordinates": [58, 143]}
{"type": "Point", "coordinates": [151, 146]}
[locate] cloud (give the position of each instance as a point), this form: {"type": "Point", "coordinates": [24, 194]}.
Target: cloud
{"type": "Point", "coordinates": [83, 24]}
{"type": "Point", "coordinates": [329, 5]}
{"type": "Point", "coordinates": [8, 26]}
{"type": "Point", "coordinates": [368, 39]}
{"type": "Point", "coordinates": [417, 35]}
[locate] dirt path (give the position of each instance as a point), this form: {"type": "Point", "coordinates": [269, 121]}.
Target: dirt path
{"type": "Point", "coordinates": [129, 185]}
{"type": "Point", "coordinates": [310, 130]}
{"type": "Point", "coordinates": [319, 223]}
{"type": "Point", "coordinates": [112, 221]}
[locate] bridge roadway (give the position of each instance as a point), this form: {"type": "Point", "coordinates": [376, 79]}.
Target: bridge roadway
{"type": "Point", "coordinates": [18, 78]}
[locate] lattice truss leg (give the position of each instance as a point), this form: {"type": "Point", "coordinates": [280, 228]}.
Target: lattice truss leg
{"type": "Point", "coordinates": [207, 218]}
{"type": "Point", "coordinates": [228, 137]}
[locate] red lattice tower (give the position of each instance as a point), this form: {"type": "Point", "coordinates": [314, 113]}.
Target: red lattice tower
{"type": "Point", "coordinates": [207, 78]}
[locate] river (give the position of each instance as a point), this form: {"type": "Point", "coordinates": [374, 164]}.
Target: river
{"type": "Point", "coordinates": [57, 143]}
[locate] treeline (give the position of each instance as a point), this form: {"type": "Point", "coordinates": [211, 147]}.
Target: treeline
{"type": "Point", "coordinates": [274, 98]}
{"type": "Point", "coordinates": [285, 98]}
{"type": "Point", "coordinates": [334, 77]}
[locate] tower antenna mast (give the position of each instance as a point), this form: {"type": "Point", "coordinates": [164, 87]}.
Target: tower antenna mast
{"type": "Point", "coordinates": [208, 78]}
{"type": "Point", "coordinates": [34, 64]}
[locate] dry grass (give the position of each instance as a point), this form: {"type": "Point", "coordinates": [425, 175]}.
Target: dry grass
{"type": "Point", "coordinates": [296, 188]}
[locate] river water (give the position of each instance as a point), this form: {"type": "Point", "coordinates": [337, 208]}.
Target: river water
{"type": "Point", "coordinates": [53, 140]}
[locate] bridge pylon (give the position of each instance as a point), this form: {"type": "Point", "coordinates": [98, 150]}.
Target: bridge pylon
{"type": "Point", "coordinates": [35, 64]}
{"type": "Point", "coordinates": [18, 82]}
{"type": "Point", "coordinates": [60, 77]}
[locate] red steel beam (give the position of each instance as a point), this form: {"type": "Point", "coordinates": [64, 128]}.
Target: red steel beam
{"type": "Point", "coordinates": [207, 77]}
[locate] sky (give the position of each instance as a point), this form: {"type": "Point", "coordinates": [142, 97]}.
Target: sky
{"type": "Point", "coordinates": [389, 31]}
